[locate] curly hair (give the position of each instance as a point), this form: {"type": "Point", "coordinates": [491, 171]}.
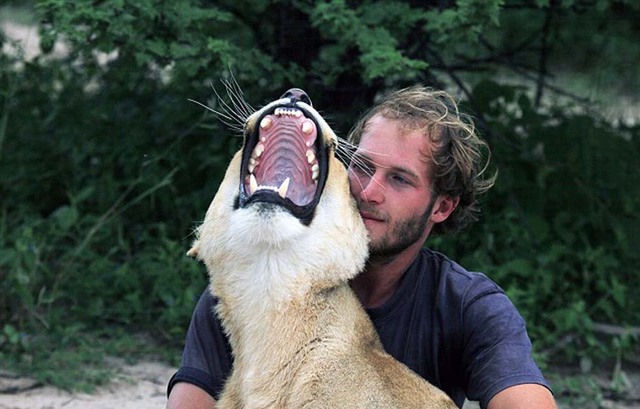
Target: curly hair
{"type": "Point", "coordinates": [459, 156]}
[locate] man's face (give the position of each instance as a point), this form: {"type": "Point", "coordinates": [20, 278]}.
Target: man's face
{"type": "Point", "coordinates": [390, 178]}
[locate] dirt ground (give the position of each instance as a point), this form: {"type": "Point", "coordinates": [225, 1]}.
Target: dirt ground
{"type": "Point", "coordinates": [139, 386]}
{"type": "Point", "coordinates": [143, 385]}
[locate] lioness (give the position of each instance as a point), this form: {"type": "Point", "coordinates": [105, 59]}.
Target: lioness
{"type": "Point", "coordinates": [281, 239]}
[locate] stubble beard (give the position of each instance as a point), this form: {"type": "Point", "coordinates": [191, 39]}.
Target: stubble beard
{"type": "Point", "coordinates": [404, 234]}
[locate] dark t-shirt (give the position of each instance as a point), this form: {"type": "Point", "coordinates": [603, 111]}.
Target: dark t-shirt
{"type": "Point", "coordinates": [455, 328]}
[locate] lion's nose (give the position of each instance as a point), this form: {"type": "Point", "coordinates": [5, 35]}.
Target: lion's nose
{"type": "Point", "coordinates": [296, 94]}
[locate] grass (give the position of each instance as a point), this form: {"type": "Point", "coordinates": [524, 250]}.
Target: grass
{"type": "Point", "coordinates": [79, 362]}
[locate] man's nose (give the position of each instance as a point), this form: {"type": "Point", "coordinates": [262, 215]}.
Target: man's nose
{"type": "Point", "coordinates": [370, 188]}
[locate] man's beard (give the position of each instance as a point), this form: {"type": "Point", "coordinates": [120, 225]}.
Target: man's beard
{"type": "Point", "coordinates": [405, 233]}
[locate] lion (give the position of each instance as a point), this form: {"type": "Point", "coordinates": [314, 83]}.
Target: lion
{"type": "Point", "coordinates": [281, 240]}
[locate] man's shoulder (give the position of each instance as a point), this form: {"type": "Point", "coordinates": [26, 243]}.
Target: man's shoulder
{"type": "Point", "coordinates": [453, 279]}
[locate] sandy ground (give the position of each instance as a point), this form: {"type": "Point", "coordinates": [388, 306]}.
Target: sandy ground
{"type": "Point", "coordinates": [140, 386]}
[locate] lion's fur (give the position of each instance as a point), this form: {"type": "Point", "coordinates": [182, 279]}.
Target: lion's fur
{"type": "Point", "coordinates": [299, 336]}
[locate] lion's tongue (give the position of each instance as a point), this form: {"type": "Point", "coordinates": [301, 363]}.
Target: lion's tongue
{"type": "Point", "coordinates": [288, 142]}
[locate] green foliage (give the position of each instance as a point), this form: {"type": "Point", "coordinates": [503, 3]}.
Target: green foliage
{"type": "Point", "coordinates": [463, 23]}
{"type": "Point", "coordinates": [106, 168]}
{"type": "Point", "coordinates": [142, 32]}
{"type": "Point", "coordinates": [98, 203]}
{"type": "Point", "coordinates": [372, 31]}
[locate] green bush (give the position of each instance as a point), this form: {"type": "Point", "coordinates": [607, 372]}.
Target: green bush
{"type": "Point", "coordinates": [100, 190]}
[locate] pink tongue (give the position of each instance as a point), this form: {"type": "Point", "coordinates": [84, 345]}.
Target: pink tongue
{"type": "Point", "coordinates": [285, 156]}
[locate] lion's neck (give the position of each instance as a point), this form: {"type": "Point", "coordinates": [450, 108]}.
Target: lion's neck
{"type": "Point", "coordinates": [272, 344]}
{"type": "Point", "coordinates": [273, 313]}
{"type": "Point", "coordinates": [263, 281]}
{"type": "Point", "coordinates": [279, 289]}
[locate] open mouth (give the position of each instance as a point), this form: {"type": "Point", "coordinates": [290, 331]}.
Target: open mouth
{"type": "Point", "coordinates": [284, 161]}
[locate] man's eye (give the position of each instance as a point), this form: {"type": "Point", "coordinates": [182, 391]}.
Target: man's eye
{"type": "Point", "coordinates": [400, 180]}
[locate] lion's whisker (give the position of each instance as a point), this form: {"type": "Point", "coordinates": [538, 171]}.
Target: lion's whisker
{"type": "Point", "coordinates": [346, 152]}
{"type": "Point", "coordinates": [228, 121]}
{"type": "Point", "coordinates": [233, 112]}
{"type": "Point", "coordinates": [236, 95]}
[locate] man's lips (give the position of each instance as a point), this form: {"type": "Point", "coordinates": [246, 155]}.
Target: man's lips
{"type": "Point", "coordinates": [371, 215]}
{"type": "Point", "coordinates": [368, 212]}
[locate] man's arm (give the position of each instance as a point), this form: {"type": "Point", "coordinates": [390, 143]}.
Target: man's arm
{"type": "Point", "coordinates": [497, 352]}
{"type": "Point", "coordinates": [206, 361]}
{"type": "Point", "coordinates": [187, 396]}
{"type": "Point", "coordinates": [526, 396]}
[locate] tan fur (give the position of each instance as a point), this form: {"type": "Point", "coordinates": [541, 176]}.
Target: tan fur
{"type": "Point", "coordinates": [300, 338]}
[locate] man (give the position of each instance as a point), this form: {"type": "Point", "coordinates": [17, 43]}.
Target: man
{"type": "Point", "coordinates": [417, 169]}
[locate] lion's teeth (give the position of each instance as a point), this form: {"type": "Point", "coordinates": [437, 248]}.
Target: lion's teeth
{"type": "Point", "coordinates": [265, 123]}
{"type": "Point", "coordinates": [253, 184]}
{"type": "Point", "coordinates": [315, 171]}
{"type": "Point", "coordinates": [258, 150]}
{"type": "Point", "coordinates": [287, 111]}
{"type": "Point", "coordinates": [310, 156]}
{"type": "Point", "coordinates": [282, 191]}
{"type": "Point", "coordinates": [252, 164]}
{"type": "Point", "coordinates": [307, 127]}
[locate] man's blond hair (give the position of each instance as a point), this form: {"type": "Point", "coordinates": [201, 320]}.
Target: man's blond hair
{"type": "Point", "coordinates": [458, 155]}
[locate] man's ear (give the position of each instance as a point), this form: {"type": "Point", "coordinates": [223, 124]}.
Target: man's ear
{"type": "Point", "coordinates": [443, 207]}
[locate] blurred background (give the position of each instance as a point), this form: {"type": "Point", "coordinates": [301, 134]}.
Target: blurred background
{"type": "Point", "coordinates": [106, 167]}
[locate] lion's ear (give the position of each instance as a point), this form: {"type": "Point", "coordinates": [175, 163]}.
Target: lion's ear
{"type": "Point", "coordinates": [193, 251]}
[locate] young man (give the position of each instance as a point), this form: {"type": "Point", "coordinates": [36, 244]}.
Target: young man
{"type": "Point", "coordinates": [417, 169]}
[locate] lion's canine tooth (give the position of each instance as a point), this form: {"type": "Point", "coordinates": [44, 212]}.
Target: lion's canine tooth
{"type": "Point", "coordinates": [307, 127]}
{"type": "Point", "coordinates": [282, 191]}
{"type": "Point", "coordinates": [253, 184]}
{"type": "Point", "coordinates": [265, 123]}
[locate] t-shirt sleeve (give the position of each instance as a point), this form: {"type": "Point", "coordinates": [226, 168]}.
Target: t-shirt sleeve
{"type": "Point", "coordinates": [206, 358]}
{"type": "Point", "coordinates": [497, 350]}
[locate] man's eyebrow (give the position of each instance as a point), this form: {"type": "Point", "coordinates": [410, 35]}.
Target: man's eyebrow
{"type": "Point", "coordinates": [407, 172]}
